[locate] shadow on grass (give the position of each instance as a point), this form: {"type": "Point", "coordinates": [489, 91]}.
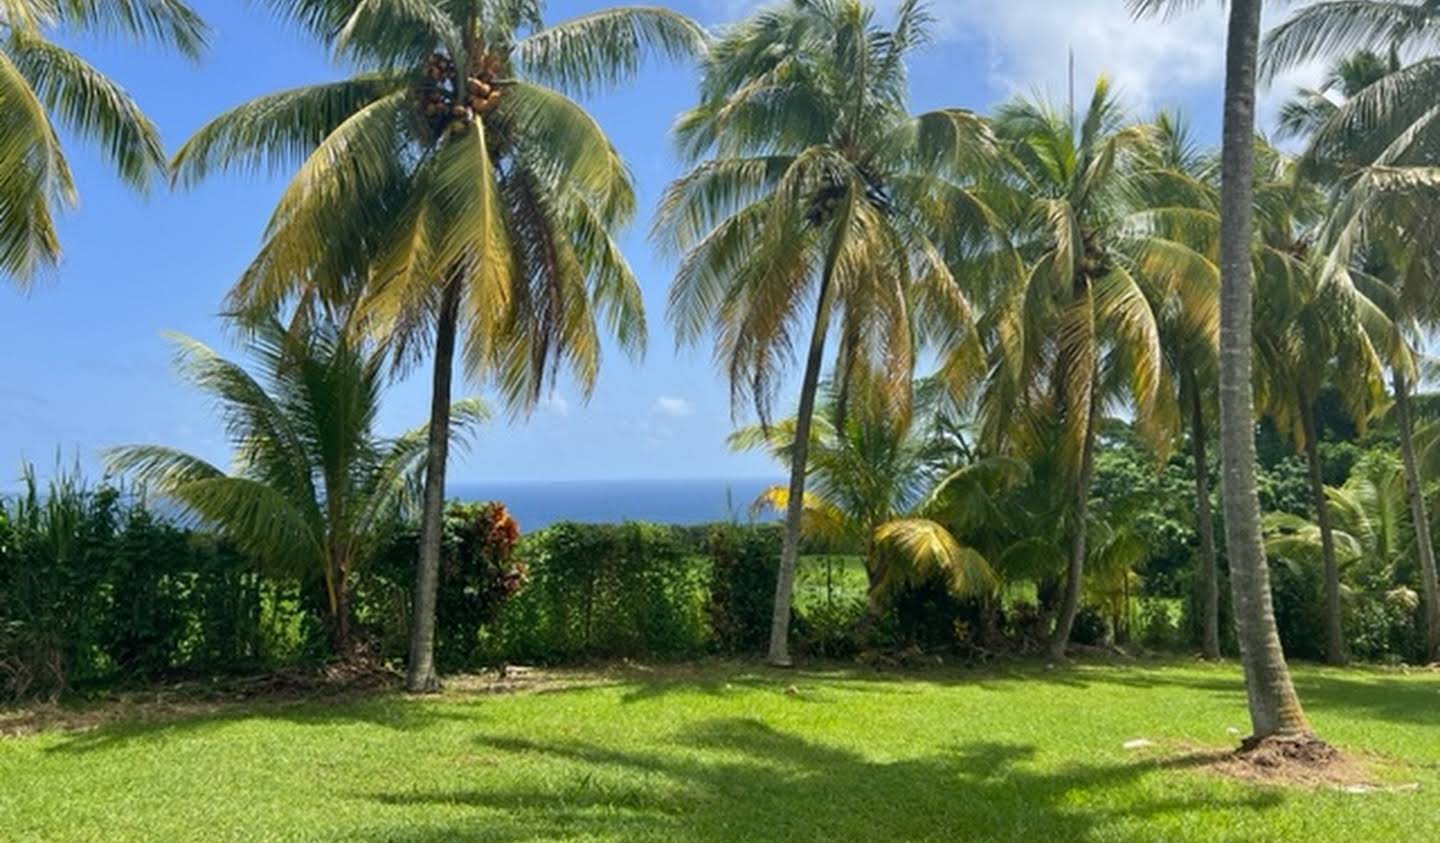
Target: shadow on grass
{"type": "Point", "coordinates": [740, 779]}
{"type": "Point", "coordinates": [1363, 692]}
{"type": "Point", "coordinates": [159, 722]}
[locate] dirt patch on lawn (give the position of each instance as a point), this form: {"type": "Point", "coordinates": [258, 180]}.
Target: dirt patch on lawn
{"type": "Point", "coordinates": [190, 698]}
{"type": "Point", "coordinates": [1302, 761]}
{"type": "Point", "coordinates": [525, 680]}
{"type": "Point", "coordinates": [336, 683]}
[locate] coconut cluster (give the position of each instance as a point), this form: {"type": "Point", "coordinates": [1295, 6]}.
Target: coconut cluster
{"type": "Point", "coordinates": [449, 110]}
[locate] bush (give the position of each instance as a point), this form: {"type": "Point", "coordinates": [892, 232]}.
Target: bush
{"type": "Point", "coordinates": [94, 586]}
{"type": "Point", "coordinates": [1091, 628]}
{"type": "Point", "coordinates": [604, 591]}
{"type": "Point", "coordinates": [478, 576]}
{"type": "Point", "coordinates": [1160, 624]}
{"type": "Point", "coordinates": [744, 562]}
{"type": "Point", "coordinates": [1385, 627]}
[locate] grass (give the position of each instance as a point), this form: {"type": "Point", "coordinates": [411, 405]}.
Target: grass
{"type": "Point", "coordinates": [733, 752]}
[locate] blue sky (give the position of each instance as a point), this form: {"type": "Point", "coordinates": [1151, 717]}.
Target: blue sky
{"type": "Point", "coordinates": [88, 366]}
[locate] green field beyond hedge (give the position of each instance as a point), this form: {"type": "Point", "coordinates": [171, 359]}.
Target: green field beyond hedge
{"type": "Point", "coordinates": [727, 753]}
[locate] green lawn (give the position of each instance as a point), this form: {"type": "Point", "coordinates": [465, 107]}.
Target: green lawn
{"type": "Point", "coordinates": [724, 752]}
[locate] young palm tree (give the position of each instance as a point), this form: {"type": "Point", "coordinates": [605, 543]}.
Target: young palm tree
{"type": "Point", "coordinates": [865, 471]}
{"type": "Point", "coordinates": [1080, 330]}
{"type": "Point", "coordinates": [43, 83]}
{"type": "Point", "coordinates": [452, 189]}
{"type": "Point", "coordinates": [820, 206]}
{"type": "Point", "coordinates": [1372, 533]}
{"type": "Point", "coordinates": [1274, 707]}
{"type": "Point", "coordinates": [313, 489]}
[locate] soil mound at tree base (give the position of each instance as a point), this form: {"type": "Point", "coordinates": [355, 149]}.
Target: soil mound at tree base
{"type": "Point", "coordinates": [1301, 759]}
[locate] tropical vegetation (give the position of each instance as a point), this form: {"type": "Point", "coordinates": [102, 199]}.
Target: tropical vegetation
{"type": "Point", "coordinates": [1060, 373]}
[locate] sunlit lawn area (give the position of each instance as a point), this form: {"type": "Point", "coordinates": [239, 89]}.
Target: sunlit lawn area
{"type": "Point", "coordinates": [730, 752]}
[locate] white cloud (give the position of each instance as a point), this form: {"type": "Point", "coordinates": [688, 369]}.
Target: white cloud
{"type": "Point", "coordinates": [673, 407]}
{"type": "Point", "coordinates": [1148, 60]}
{"type": "Point", "coordinates": [555, 404]}
{"type": "Point", "coordinates": [1027, 42]}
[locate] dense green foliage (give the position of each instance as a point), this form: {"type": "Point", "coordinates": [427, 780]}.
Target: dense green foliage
{"type": "Point", "coordinates": [94, 585]}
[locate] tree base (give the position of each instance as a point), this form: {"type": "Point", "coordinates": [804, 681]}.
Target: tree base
{"type": "Point", "coordinates": [1301, 748]}
{"type": "Point", "coordinates": [423, 685]}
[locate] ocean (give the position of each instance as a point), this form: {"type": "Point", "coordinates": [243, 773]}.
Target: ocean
{"type": "Point", "coordinates": [537, 505]}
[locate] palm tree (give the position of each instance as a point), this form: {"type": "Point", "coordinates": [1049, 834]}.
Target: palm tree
{"type": "Point", "coordinates": [1378, 230]}
{"type": "Point", "coordinates": [1311, 336]}
{"type": "Point", "coordinates": [43, 83]}
{"type": "Point", "coordinates": [313, 489]}
{"type": "Point", "coordinates": [1274, 707]}
{"type": "Point", "coordinates": [819, 203]}
{"type": "Point", "coordinates": [1392, 120]}
{"type": "Point", "coordinates": [450, 187]}
{"type": "Point", "coordinates": [866, 470]}
{"type": "Point", "coordinates": [1371, 531]}
{"type": "Point", "coordinates": [1189, 325]}
{"type": "Point", "coordinates": [1104, 236]}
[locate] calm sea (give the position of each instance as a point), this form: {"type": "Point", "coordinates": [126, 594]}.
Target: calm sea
{"type": "Point", "coordinates": [697, 501]}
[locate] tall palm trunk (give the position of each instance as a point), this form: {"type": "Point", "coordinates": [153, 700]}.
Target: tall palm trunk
{"type": "Point", "coordinates": [799, 459]}
{"type": "Point", "coordinates": [1415, 491]}
{"type": "Point", "coordinates": [1274, 707]}
{"type": "Point", "coordinates": [1205, 527]}
{"type": "Point", "coordinates": [1075, 570]}
{"type": "Point", "coordinates": [420, 676]}
{"type": "Point", "coordinates": [1334, 629]}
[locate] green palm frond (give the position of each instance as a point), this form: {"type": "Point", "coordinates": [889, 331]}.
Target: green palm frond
{"type": "Point", "coordinates": [168, 23]}
{"type": "Point", "coordinates": [607, 47]}
{"type": "Point", "coordinates": [1334, 27]}
{"type": "Point", "coordinates": [397, 33]}
{"type": "Point", "coordinates": [276, 131]}
{"type": "Point", "coordinates": [568, 147]}
{"type": "Point", "coordinates": [91, 106]}
{"type": "Point", "coordinates": [921, 549]}
{"type": "Point", "coordinates": [33, 175]}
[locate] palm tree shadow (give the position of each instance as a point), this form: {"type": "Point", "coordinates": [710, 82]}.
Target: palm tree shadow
{"type": "Point", "coordinates": [387, 712]}
{"type": "Point", "coordinates": [740, 779]}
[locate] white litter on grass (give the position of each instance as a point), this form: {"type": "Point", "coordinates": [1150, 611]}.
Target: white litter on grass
{"type": "Point", "coordinates": [1138, 743]}
{"type": "Point", "coordinates": [1232, 730]}
{"type": "Point", "coordinates": [1370, 788]}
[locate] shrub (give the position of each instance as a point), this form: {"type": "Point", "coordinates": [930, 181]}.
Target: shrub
{"type": "Point", "coordinates": [1160, 624]}
{"type": "Point", "coordinates": [604, 591]}
{"type": "Point", "coordinates": [95, 586]}
{"type": "Point", "coordinates": [478, 576]}
{"type": "Point", "coordinates": [744, 561]}
{"type": "Point", "coordinates": [1091, 628]}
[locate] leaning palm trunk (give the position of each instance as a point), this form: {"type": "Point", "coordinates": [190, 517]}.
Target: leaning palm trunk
{"type": "Point", "coordinates": [1415, 491]}
{"type": "Point", "coordinates": [1274, 707]}
{"type": "Point", "coordinates": [795, 504]}
{"type": "Point", "coordinates": [1334, 629]}
{"type": "Point", "coordinates": [420, 677]}
{"type": "Point", "coordinates": [1205, 526]}
{"type": "Point", "coordinates": [1075, 571]}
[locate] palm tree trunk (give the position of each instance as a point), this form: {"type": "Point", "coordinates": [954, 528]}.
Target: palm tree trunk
{"type": "Point", "coordinates": [1334, 629]}
{"type": "Point", "coordinates": [1415, 491]}
{"type": "Point", "coordinates": [795, 506]}
{"type": "Point", "coordinates": [1274, 707]}
{"type": "Point", "coordinates": [420, 676]}
{"type": "Point", "coordinates": [874, 575]}
{"type": "Point", "coordinates": [1205, 527]}
{"type": "Point", "coordinates": [1075, 571]}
